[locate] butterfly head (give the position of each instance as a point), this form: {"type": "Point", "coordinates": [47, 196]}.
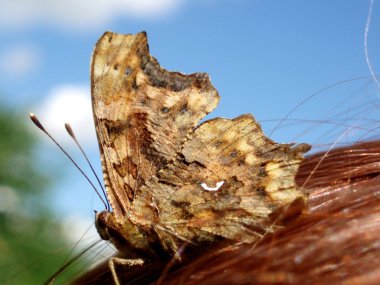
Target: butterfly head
{"type": "Point", "coordinates": [101, 220]}
{"type": "Point", "coordinates": [129, 239]}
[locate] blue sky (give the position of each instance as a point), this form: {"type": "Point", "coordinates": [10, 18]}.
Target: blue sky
{"type": "Point", "coordinates": [264, 57]}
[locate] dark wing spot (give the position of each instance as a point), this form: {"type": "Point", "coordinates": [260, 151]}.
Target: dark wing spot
{"type": "Point", "coordinates": [261, 192]}
{"type": "Point", "coordinates": [115, 127]}
{"type": "Point", "coordinates": [183, 206]}
{"type": "Point", "coordinates": [262, 172]}
{"type": "Point", "coordinates": [180, 204]}
{"type": "Point", "coordinates": [183, 109]}
{"type": "Point", "coordinates": [165, 110]}
{"type": "Point", "coordinates": [234, 153]}
{"type": "Point", "coordinates": [128, 71]}
{"type": "Point", "coordinates": [134, 84]}
{"type": "Point", "coordinates": [161, 78]}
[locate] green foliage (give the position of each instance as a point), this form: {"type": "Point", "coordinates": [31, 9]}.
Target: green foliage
{"type": "Point", "coordinates": [17, 164]}
{"type": "Point", "coordinates": [31, 246]}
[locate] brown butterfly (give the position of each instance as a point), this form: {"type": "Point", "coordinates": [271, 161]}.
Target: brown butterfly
{"type": "Point", "coordinates": [169, 180]}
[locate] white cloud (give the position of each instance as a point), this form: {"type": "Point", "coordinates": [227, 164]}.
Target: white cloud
{"type": "Point", "coordinates": [149, 8]}
{"type": "Point", "coordinates": [69, 104]}
{"type": "Point", "coordinates": [81, 14]}
{"type": "Point", "coordinates": [76, 227]}
{"type": "Point", "coordinates": [19, 60]}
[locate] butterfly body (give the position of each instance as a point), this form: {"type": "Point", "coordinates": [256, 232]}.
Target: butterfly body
{"type": "Point", "coordinates": [169, 179]}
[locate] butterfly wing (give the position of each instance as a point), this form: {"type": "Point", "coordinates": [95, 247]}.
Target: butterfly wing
{"type": "Point", "coordinates": [249, 179]}
{"type": "Point", "coordinates": [142, 113]}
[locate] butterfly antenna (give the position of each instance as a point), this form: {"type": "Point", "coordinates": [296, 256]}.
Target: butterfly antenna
{"type": "Point", "coordinates": [72, 135]}
{"type": "Point", "coordinates": [39, 125]}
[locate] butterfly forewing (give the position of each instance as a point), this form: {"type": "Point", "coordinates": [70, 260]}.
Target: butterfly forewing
{"type": "Point", "coordinates": [143, 114]}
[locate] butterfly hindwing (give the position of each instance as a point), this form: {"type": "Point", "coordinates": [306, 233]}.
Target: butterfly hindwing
{"type": "Point", "coordinates": [256, 176]}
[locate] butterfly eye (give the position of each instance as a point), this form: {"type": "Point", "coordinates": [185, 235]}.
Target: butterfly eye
{"type": "Point", "coordinates": [216, 188]}
{"type": "Point", "coordinates": [101, 224]}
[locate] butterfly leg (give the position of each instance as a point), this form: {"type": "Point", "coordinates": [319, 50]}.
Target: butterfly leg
{"type": "Point", "coordinates": [123, 262]}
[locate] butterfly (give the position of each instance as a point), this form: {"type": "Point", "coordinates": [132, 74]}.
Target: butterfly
{"type": "Point", "coordinates": [169, 179]}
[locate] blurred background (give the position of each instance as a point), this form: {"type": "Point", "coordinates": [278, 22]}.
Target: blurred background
{"type": "Point", "coordinates": [299, 66]}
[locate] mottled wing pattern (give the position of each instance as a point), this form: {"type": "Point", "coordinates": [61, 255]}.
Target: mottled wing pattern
{"type": "Point", "coordinates": [143, 114]}
{"type": "Point", "coordinates": [258, 176]}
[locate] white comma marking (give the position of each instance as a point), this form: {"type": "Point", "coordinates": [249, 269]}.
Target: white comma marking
{"type": "Point", "coordinates": [216, 188]}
